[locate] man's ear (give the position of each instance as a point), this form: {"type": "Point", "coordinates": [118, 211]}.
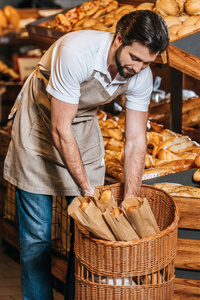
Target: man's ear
{"type": "Point", "coordinates": [118, 39]}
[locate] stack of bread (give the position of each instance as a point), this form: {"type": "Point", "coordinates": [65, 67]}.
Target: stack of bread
{"type": "Point", "coordinates": [167, 151]}
{"type": "Point", "coordinates": [9, 19]}
{"type": "Point", "coordinates": [181, 16]}
{"type": "Point", "coordinates": [190, 112]}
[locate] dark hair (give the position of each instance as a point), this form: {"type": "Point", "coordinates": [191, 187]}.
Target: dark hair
{"type": "Point", "coordinates": [145, 27]}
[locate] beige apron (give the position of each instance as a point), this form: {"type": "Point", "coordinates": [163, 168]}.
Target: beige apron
{"type": "Point", "coordinates": [32, 162]}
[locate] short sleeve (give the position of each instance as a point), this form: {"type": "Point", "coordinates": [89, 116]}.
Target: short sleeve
{"type": "Point", "coordinates": [66, 75]}
{"type": "Point", "coordinates": [139, 91]}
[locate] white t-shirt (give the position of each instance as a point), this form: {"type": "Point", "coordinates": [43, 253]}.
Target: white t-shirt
{"type": "Point", "coordinates": [73, 58]}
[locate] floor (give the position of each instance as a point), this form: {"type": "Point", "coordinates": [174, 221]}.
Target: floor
{"type": "Point", "coordinates": [10, 283]}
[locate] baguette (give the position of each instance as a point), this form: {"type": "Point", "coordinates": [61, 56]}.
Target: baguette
{"type": "Point", "coordinates": [106, 195]}
{"type": "Point", "coordinates": [167, 155]}
{"type": "Point", "coordinates": [178, 165]}
{"type": "Point", "coordinates": [167, 133]}
{"type": "Point", "coordinates": [172, 141]}
{"type": "Point", "coordinates": [192, 117]}
{"type": "Point", "coordinates": [116, 212]}
{"type": "Point", "coordinates": [84, 205]}
{"type": "Point", "coordinates": [187, 155]}
{"type": "Point", "coordinates": [155, 138]}
{"type": "Point", "coordinates": [181, 147]}
{"type": "Point", "coordinates": [156, 172]}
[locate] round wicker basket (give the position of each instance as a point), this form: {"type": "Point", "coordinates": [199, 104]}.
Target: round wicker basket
{"type": "Point", "coordinates": [140, 269]}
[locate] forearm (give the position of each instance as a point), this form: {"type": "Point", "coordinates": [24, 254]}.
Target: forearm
{"type": "Point", "coordinates": [69, 152]}
{"type": "Point", "coordinates": [134, 160]}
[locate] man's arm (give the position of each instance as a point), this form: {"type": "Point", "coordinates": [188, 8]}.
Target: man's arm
{"type": "Point", "coordinates": [62, 115]}
{"type": "Point", "coordinates": [134, 151]}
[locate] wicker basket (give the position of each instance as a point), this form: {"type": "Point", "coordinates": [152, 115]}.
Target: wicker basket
{"type": "Point", "coordinates": [141, 269]}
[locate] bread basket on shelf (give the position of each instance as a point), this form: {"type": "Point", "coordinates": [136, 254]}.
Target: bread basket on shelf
{"type": "Point", "coordinates": [142, 269]}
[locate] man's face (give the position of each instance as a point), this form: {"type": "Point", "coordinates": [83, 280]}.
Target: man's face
{"type": "Point", "coordinates": [130, 60]}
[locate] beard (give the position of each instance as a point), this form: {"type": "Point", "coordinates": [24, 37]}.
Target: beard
{"type": "Point", "coordinates": [123, 70]}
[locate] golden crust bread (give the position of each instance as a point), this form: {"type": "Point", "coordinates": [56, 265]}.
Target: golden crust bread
{"type": "Point", "coordinates": [196, 175]}
{"type": "Point", "coordinates": [191, 20]}
{"type": "Point", "coordinates": [116, 212]}
{"type": "Point", "coordinates": [106, 195]}
{"type": "Point", "coordinates": [3, 19]}
{"type": "Point", "coordinates": [84, 205]}
{"type": "Point", "coordinates": [192, 7]}
{"type": "Point", "coordinates": [63, 23]}
{"type": "Point", "coordinates": [186, 155]}
{"type": "Point", "coordinates": [168, 7]}
{"type": "Point", "coordinates": [145, 5]}
{"type": "Point", "coordinates": [185, 30]}
{"type": "Point", "coordinates": [174, 29]}
{"type": "Point", "coordinates": [190, 104]}
{"type": "Point", "coordinates": [90, 7]}
{"type": "Point", "coordinates": [12, 16]}
{"type": "Point", "coordinates": [172, 20]}
{"type": "Point", "coordinates": [167, 155]}
{"type": "Point", "coordinates": [115, 133]}
{"type": "Point", "coordinates": [197, 160]}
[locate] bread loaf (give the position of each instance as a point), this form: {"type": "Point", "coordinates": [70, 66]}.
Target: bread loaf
{"type": "Point", "coordinates": [116, 212]}
{"type": "Point", "coordinates": [168, 7]}
{"type": "Point", "coordinates": [190, 104]}
{"type": "Point", "coordinates": [192, 7]}
{"type": "Point", "coordinates": [12, 16]}
{"type": "Point", "coordinates": [178, 165]}
{"type": "Point", "coordinates": [84, 205]}
{"type": "Point", "coordinates": [90, 7]}
{"type": "Point", "coordinates": [106, 195]}
{"type": "Point", "coordinates": [3, 19]}
{"type": "Point", "coordinates": [196, 175]}
{"type": "Point", "coordinates": [167, 155]}
{"type": "Point", "coordinates": [187, 155]}
{"type": "Point", "coordinates": [145, 5]}
{"type": "Point", "coordinates": [197, 160]}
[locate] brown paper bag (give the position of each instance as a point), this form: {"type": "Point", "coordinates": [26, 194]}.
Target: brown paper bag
{"type": "Point", "coordinates": [140, 216]}
{"type": "Point", "coordinates": [91, 219]}
{"type": "Point", "coordinates": [103, 201]}
{"type": "Point", "coordinates": [120, 226]}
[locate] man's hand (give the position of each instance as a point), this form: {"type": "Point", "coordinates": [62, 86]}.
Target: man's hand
{"type": "Point", "coordinates": [134, 151]}
{"type": "Point", "coordinates": [62, 115]}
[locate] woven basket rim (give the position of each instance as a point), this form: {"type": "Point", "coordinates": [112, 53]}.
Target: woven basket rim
{"type": "Point", "coordinates": [167, 230]}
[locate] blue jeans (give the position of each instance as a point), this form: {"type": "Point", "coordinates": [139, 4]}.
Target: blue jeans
{"type": "Point", "coordinates": [34, 226]}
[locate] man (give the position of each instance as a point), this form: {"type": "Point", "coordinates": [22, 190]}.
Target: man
{"type": "Point", "coordinates": [57, 147]}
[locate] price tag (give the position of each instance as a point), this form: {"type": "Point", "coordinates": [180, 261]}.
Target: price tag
{"type": "Point", "coordinates": [26, 65]}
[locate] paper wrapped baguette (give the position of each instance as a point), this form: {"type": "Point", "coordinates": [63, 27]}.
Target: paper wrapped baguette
{"type": "Point", "coordinates": [90, 217]}
{"type": "Point", "coordinates": [103, 198]}
{"type": "Point", "coordinates": [119, 224]}
{"type": "Point", "coordinates": [140, 215]}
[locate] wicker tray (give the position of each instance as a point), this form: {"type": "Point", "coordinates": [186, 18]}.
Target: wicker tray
{"type": "Point", "coordinates": [146, 263]}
